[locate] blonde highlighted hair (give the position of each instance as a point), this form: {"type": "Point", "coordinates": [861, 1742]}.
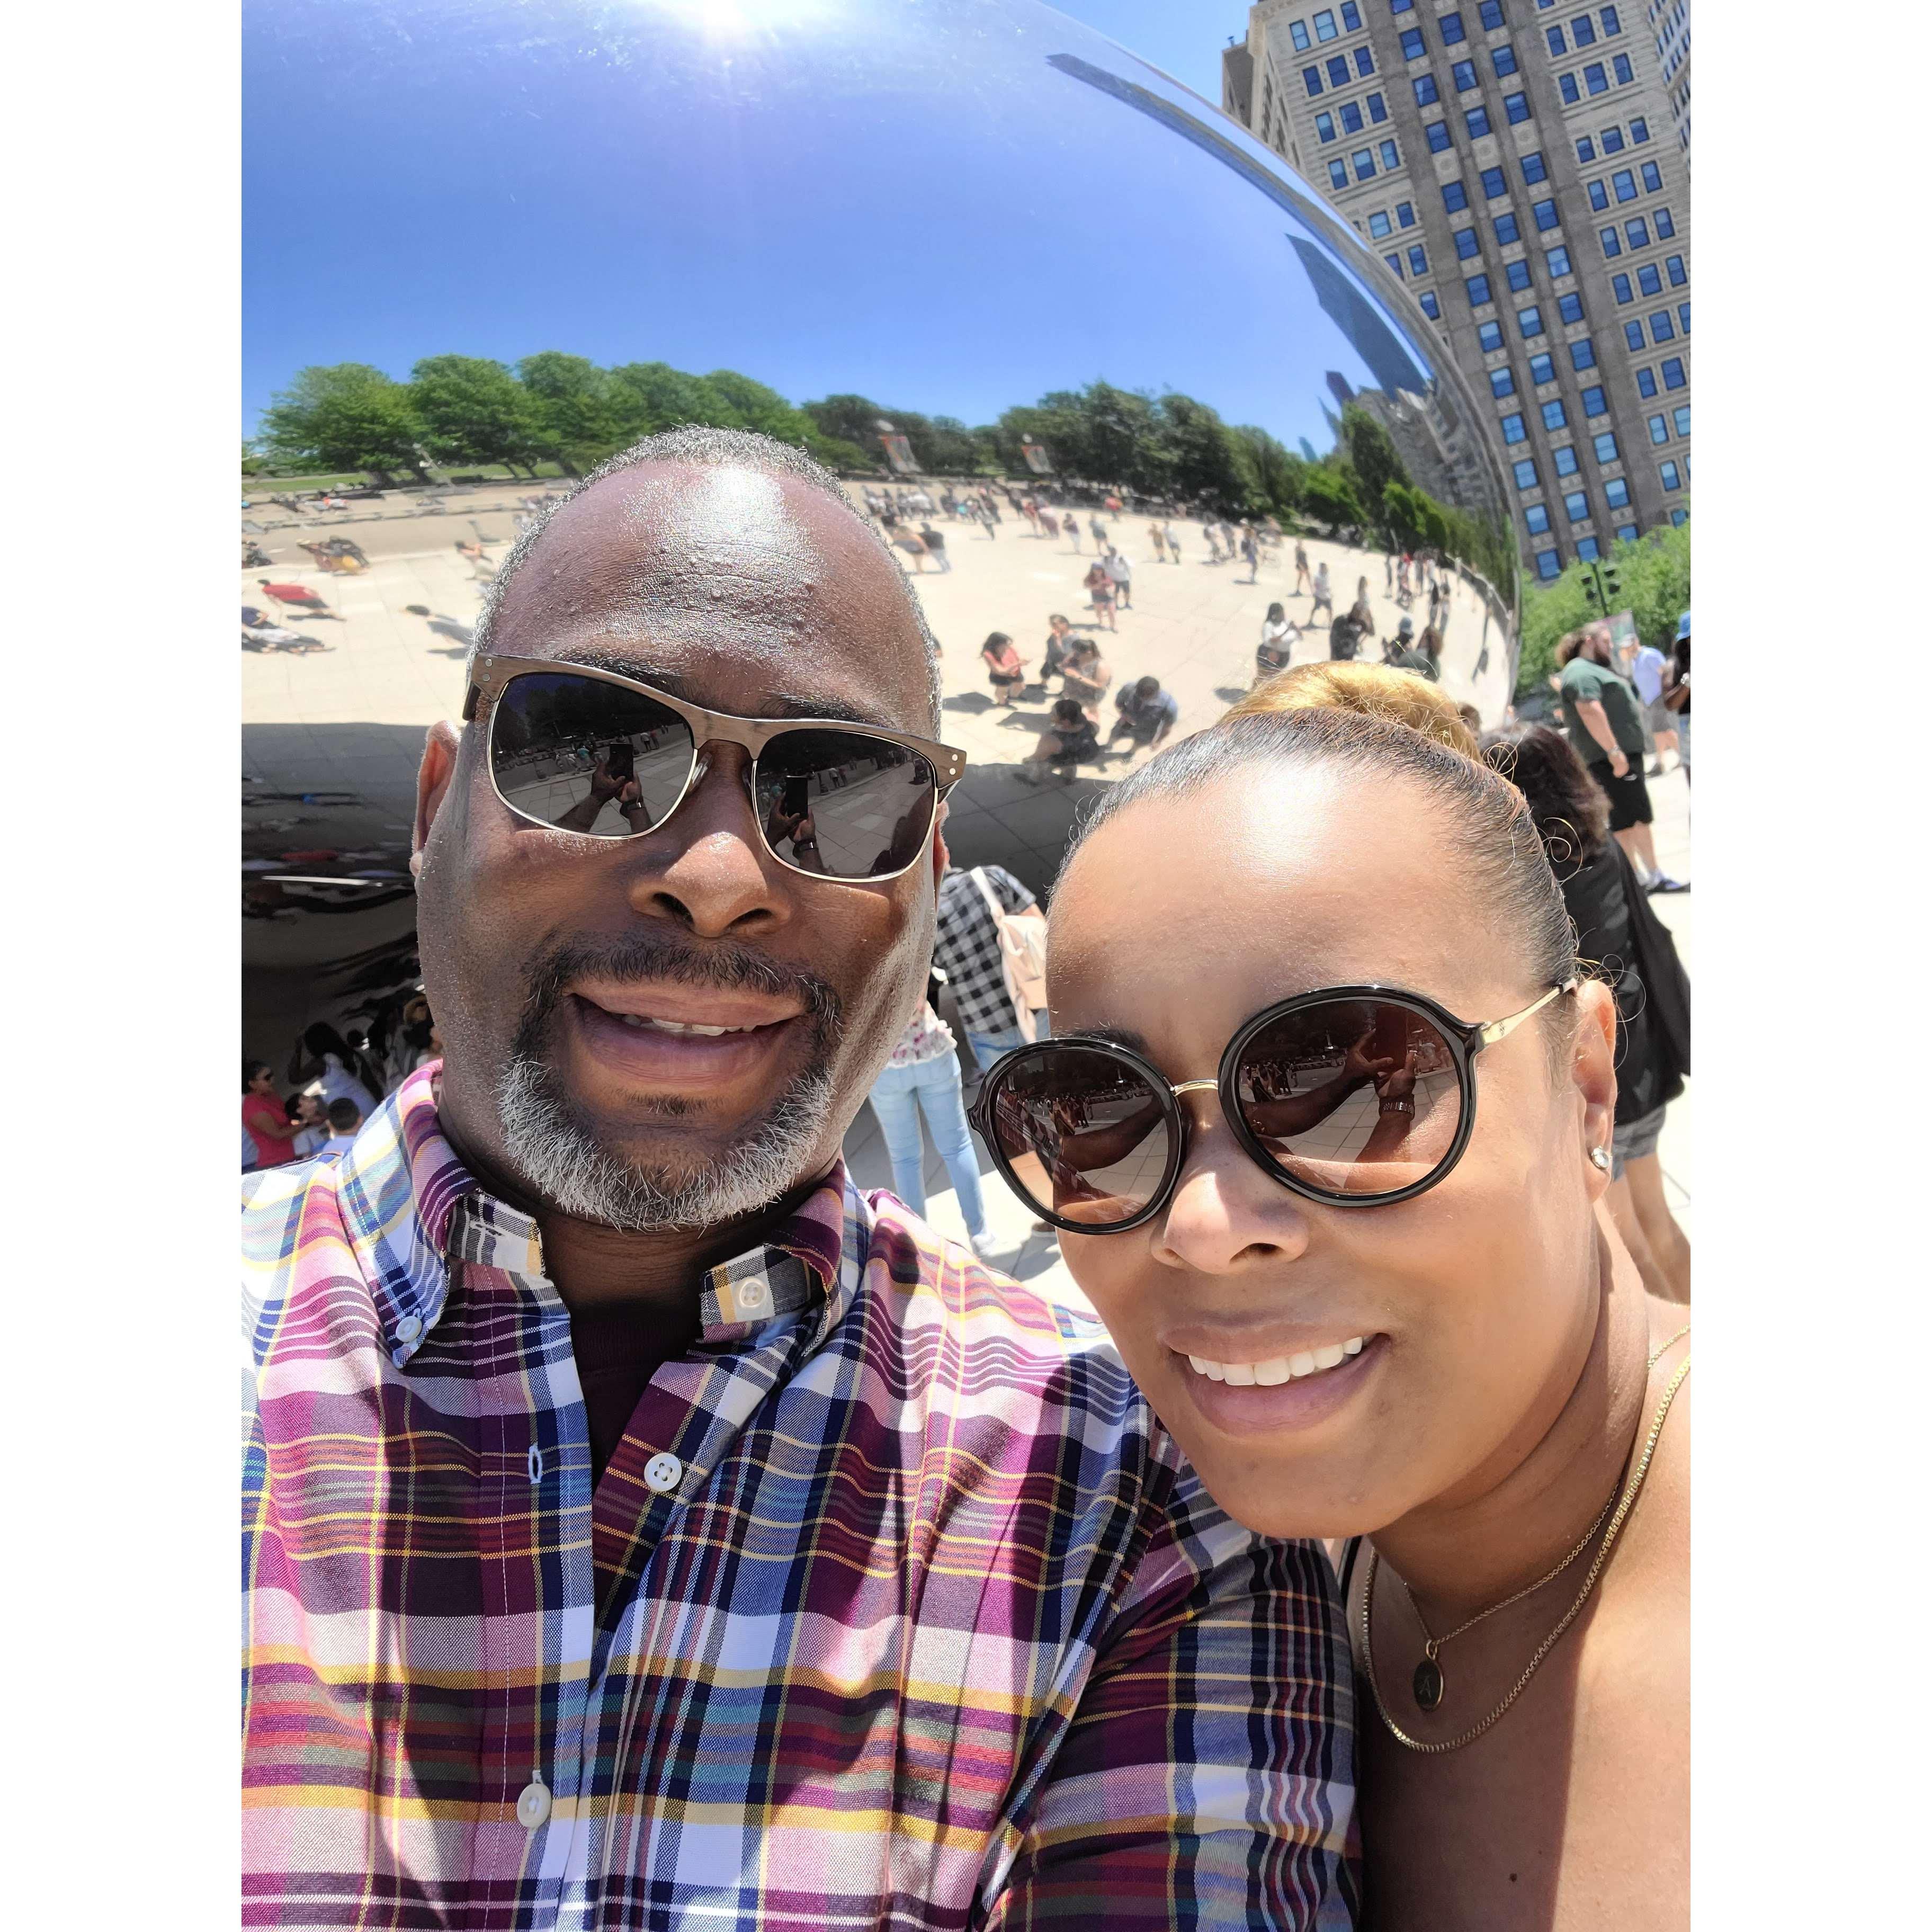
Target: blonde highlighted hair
{"type": "Point", "coordinates": [1369, 691]}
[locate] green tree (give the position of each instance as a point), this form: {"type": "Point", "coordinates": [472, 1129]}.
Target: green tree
{"type": "Point", "coordinates": [342, 415]}
{"type": "Point", "coordinates": [1371, 453]}
{"type": "Point", "coordinates": [1329, 496]}
{"type": "Point", "coordinates": [473, 410]}
{"type": "Point", "coordinates": [582, 424]}
{"type": "Point", "coordinates": [1654, 573]}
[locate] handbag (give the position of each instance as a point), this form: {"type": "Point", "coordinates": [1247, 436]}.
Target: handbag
{"type": "Point", "coordinates": [1022, 955]}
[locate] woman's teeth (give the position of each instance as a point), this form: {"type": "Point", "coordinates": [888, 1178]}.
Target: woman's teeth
{"type": "Point", "coordinates": [1281, 1369]}
{"type": "Point", "coordinates": [679, 1026]}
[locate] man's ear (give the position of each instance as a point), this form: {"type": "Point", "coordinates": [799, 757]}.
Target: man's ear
{"type": "Point", "coordinates": [434, 777]}
{"type": "Point", "coordinates": [941, 859]}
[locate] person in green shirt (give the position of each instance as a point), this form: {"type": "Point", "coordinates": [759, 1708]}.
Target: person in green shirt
{"type": "Point", "coordinates": [1605, 723]}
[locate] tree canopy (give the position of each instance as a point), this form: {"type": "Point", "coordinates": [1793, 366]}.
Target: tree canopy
{"type": "Point", "coordinates": [1654, 575]}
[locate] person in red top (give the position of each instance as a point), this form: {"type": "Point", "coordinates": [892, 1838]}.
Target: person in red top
{"type": "Point", "coordinates": [264, 1119]}
{"type": "Point", "coordinates": [299, 594]}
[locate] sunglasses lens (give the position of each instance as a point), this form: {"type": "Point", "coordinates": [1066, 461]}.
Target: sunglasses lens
{"type": "Point", "coordinates": [1080, 1134]}
{"type": "Point", "coordinates": [843, 804]}
{"type": "Point", "coordinates": [586, 756]}
{"type": "Point", "coordinates": [1352, 1097]}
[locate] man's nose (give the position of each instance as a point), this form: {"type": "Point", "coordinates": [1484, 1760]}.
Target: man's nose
{"type": "Point", "coordinates": [706, 867]}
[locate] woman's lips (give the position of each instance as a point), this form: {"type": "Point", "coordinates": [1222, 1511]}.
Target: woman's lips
{"type": "Point", "coordinates": [1303, 1400]}
{"type": "Point", "coordinates": [703, 1044]}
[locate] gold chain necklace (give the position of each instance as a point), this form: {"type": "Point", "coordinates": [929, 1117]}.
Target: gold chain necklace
{"type": "Point", "coordinates": [1626, 1501]}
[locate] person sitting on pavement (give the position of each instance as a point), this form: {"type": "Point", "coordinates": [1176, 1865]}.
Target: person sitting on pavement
{"type": "Point", "coordinates": [1070, 737]}
{"type": "Point", "coordinates": [1146, 715]}
{"type": "Point", "coordinates": [1004, 671]}
{"type": "Point", "coordinates": [1059, 643]}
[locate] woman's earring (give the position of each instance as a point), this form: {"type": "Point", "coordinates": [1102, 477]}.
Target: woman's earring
{"type": "Point", "coordinates": [1601, 1157]}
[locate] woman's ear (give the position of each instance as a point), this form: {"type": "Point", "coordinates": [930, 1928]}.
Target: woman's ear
{"type": "Point", "coordinates": [433, 776]}
{"type": "Point", "coordinates": [1593, 1070]}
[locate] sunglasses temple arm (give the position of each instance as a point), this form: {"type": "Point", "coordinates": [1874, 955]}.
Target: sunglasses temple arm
{"type": "Point", "coordinates": [1501, 1029]}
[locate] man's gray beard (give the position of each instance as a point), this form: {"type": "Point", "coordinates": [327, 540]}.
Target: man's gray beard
{"type": "Point", "coordinates": [555, 1157]}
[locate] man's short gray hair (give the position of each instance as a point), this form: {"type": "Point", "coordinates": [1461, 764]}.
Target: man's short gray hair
{"type": "Point", "coordinates": [733, 448]}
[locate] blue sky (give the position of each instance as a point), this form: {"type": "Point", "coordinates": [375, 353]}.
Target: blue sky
{"type": "Point", "coordinates": [907, 198]}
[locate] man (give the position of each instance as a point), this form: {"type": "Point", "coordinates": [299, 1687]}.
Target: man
{"type": "Point", "coordinates": [935, 545]}
{"type": "Point", "coordinates": [1122, 572]}
{"type": "Point", "coordinates": [1146, 714]}
{"type": "Point", "coordinates": [1677, 692]}
{"type": "Point", "coordinates": [643, 1528]}
{"type": "Point", "coordinates": [1644, 666]}
{"type": "Point", "coordinates": [1323, 594]}
{"type": "Point", "coordinates": [1408, 656]}
{"type": "Point", "coordinates": [1599, 712]}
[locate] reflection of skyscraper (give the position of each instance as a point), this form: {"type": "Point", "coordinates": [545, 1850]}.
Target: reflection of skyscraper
{"type": "Point", "coordinates": [1308, 449]}
{"type": "Point", "coordinates": [1338, 387]}
{"type": "Point", "coordinates": [1358, 318]}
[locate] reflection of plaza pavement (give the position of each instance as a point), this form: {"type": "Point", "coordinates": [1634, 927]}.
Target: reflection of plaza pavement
{"type": "Point", "coordinates": [349, 719]}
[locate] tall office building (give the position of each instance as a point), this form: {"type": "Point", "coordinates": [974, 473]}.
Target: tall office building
{"type": "Point", "coordinates": [1670, 22]}
{"type": "Point", "coordinates": [1515, 164]}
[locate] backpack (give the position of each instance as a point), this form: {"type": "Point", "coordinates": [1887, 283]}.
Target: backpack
{"type": "Point", "coordinates": [1022, 955]}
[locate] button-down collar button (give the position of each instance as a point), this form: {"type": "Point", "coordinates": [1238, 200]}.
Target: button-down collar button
{"type": "Point", "coordinates": [662, 1474]}
{"type": "Point", "coordinates": [409, 1328]}
{"type": "Point", "coordinates": [533, 1804]}
{"type": "Point", "coordinates": [752, 1296]}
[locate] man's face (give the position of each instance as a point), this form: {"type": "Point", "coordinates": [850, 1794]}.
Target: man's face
{"type": "Point", "coordinates": [565, 972]}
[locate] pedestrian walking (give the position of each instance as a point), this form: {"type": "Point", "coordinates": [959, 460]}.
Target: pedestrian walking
{"type": "Point", "coordinates": [1145, 714]}
{"type": "Point", "coordinates": [1677, 692]}
{"type": "Point", "coordinates": [1099, 587]}
{"type": "Point", "coordinates": [1213, 539]}
{"type": "Point", "coordinates": [1279, 637]}
{"type": "Point", "coordinates": [1072, 524]}
{"type": "Point", "coordinates": [1004, 671]}
{"type": "Point", "coordinates": [1122, 572]}
{"type": "Point", "coordinates": [1300, 566]}
{"type": "Point", "coordinates": [935, 547]}
{"type": "Point", "coordinates": [1173, 543]}
{"type": "Point", "coordinates": [966, 948]}
{"type": "Point", "coordinates": [922, 1076]}
{"type": "Point", "coordinates": [1099, 531]}
{"type": "Point", "coordinates": [1251, 554]}
{"type": "Point", "coordinates": [1158, 538]}
{"type": "Point", "coordinates": [1645, 665]}
{"type": "Point", "coordinates": [1322, 593]}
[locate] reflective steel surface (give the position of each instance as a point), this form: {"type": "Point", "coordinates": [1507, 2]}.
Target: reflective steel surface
{"type": "Point", "coordinates": [975, 210]}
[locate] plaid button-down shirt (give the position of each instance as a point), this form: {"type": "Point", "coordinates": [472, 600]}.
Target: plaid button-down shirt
{"type": "Point", "coordinates": [966, 946]}
{"type": "Point", "coordinates": [896, 1606]}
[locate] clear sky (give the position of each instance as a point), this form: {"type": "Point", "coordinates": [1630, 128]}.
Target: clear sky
{"type": "Point", "coordinates": [1184, 38]}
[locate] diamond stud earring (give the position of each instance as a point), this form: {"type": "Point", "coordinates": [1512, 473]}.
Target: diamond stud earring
{"type": "Point", "coordinates": [1601, 1157]}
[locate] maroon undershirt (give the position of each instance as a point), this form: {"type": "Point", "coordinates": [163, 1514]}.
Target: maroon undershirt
{"type": "Point", "coordinates": [618, 1349]}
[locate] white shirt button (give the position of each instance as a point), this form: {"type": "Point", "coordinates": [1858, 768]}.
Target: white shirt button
{"type": "Point", "coordinates": [533, 1804]}
{"type": "Point", "coordinates": [409, 1328]}
{"type": "Point", "coordinates": [662, 1474]}
{"type": "Point", "coordinates": [751, 1295]}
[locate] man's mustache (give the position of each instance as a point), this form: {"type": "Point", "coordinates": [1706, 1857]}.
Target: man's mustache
{"type": "Point", "coordinates": [665, 955]}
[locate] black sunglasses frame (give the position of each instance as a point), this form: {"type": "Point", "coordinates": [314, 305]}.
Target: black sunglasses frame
{"type": "Point", "coordinates": [1464, 1039]}
{"type": "Point", "coordinates": [491, 676]}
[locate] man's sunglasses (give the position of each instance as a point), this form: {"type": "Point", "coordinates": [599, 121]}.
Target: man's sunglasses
{"type": "Point", "coordinates": [582, 750]}
{"type": "Point", "coordinates": [1353, 1096]}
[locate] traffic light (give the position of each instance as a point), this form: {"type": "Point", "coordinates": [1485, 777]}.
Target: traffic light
{"type": "Point", "coordinates": [1612, 588]}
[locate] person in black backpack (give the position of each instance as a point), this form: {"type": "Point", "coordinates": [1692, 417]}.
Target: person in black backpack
{"type": "Point", "coordinates": [1617, 927]}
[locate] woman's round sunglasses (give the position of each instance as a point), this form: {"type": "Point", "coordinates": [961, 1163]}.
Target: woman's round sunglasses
{"type": "Point", "coordinates": [581, 749]}
{"type": "Point", "coordinates": [1353, 1096]}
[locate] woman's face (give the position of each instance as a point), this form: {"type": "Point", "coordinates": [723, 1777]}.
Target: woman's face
{"type": "Point", "coordinates": [1476, 1301]}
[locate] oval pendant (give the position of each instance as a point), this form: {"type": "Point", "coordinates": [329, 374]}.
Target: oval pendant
{"type": "Point", "coordinates": [1428, 1684]}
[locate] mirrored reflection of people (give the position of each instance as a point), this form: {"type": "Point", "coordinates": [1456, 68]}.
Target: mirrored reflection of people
{"type": "Point", "coordinates": [311, 1122]}
{"type": "Point", "coordinates": [1145, 715]}
{"type": "Point", "coordinates": [618, 1267]}
{"type": "Point", "coordinates": [1158, 538]}
{"type": "Point", "coordinates": [1058, 648]}
{"type": "Point", "coordinates": [935, 547]}
{"type": "Point", "coordinates": [300, 596]}
{"type": "Point", "coordinates": [1004, 671]}
{"type": "Point", "coordinates": [323, 1056]}
{"type": "Point", "coordinates": [1279, 636]}
{"type": "Point", "coordinates": [1122, 572]}
{"type": "Point", "coordinates": [1173, 543]}
{"type": "Point", "coordinates": [1085, 676]}
{"type": "Point", "coordinates": [1251, 553]}
{"type": "Point", "coordinates": [1616, 926]}
{"type": "Point", "coordinates": [1423, 656]}
{"type": "Point", "coordinates": [1677, 692]}
{"type": "Point", "coordinates": [1070, 738]}
{"type": "Point", "coordinates": [1099, 588]}
{"type": "Point", "coordinates": [345, 1122]}
{"type": "Point", "coordinates": [1301, 577]}
{"type": "Point", "coordinates": [1322, 593]}
{"type": "Point", "coordinates": [265, 1125]}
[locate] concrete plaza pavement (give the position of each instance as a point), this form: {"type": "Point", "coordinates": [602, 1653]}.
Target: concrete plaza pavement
{"type": "Point", "coordinates": [348, 718]}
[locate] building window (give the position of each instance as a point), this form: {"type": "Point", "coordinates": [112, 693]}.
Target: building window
{"type": "Point", "coordinates": [1683, 317]}
{"type": "Point", "coordinates": [1418, 262]}
{"type": "Point", "coordinates": [1566, 86]}
{"type": "Point", "coordinates": [1624, 71]}
{"type": "Point", "coordinates": [1325, 28]}
{"type": "Point", "coordinates": [1530, 321]}
{"type": "Point", "coordinates": [1679, 517]}
{"type": "Point", "coordinates": [1660, 430]}
{"type": "Point", "coordinates": [1431, 307]}
{"type": "Point", "coordinates": [1613, 26]}
{"type": "Point", "coordinates": [1379, 224]}
{"type": "Point", "coordinates": [1558, 46]}
{"type": "Point", "coordinates": [1490, 13]}
{"type": "Point", "coordinates": [1623, 184]}
{"type": "Point", "coordinates": [1324, 126]}
{"type": "Point", "coordinates": [1515, 108]}
{"type": "Point", "coordinates": [1338, 71]}
{"type": "Point", "coordinates": [1662, 329]}
{"type": "Point", "coordinates": [1666, 230]}
{"type": "Point", "coordinates": [1365, 63]}
{"type": "Point", "coordinates": [1425, 90]}
{"type": "Point", "coordinates": [1439, 136]}
{"type": "Point", "coordinates": [1390, 159]}
{"type": "Point", "coordinates": [1605, 446]}
{"type": "Point", "coordinates": [1413, 46]}
{"type": "Point", "coordinates": [1626, 533]}
{"type": "Point", "coordinates": [1646, 381]}
{"type": "Point", "coordinates": [1477, 122]}
{"type": "Point", "coordinates": [1649, 281]}
{"type": "Point", "coordinates": [1576, 505]}
{"type": "Point", "coordinates": [1489, 336]}
{"type": "Point", "coordinates": [1636, 232]}
{"type": "Point", "coordinates": [1506, 230]}
{"type": "Point", "coordinates": [1478, 288]}
{"type": "Point", "coordinates": [1525, 473]}
{"type": "Point", "coordinates": [1600, 196]}
{"type": "Point", "coordinates": [1502, 382]}
{"type": "Point", "coordinates": [1583, 354]}
{"type": "Point", "coordinates": [1311, 79]}
{"type": "Point", "coordinates": [1351, 16]}
{"type": "Point", "coordinates": [1639, 131]}
{"type": "Point", "coordinates": [1613, 140]}
{"type": "Point", "coordinates": [1616, 493]}
{"type": "Point", "coordinates": [1468, 244]}
{"type": "Point", "coordinates": [1549, 565]}
{"type": "Point", "coordinates": [1463, 74]}
{"type": "Point", "coordinates": [1297, 32]}
{"type": "Point", "coordinates": [1587, 550]}
{"type": "Point", "coordinates": [1595, 81]}
{"type": "Point", "coordinates": [1455, 196]}
{"type": "Point", "coordinates": [1667, 475]}
{"type": "Point", "coordinates": [1673, 267]}
{"type": "Point", "coordinates": [1586, 149]}
{"type": "Point", "coordinates": [1557, 259]}
{"type": "Point", "coordinates": [1377, 108]}
{"type": "Point", "coordinates": [1364, 163]}
{"type": "Point", "coordinates": [1545, 215]}
{"type": "Point", "coordinates": [1517, 275]}
{"type": "Point", "coordinates": [1394, 261]}
{"type": "Point", "coordinates": [1450, 27]}
{"type": "Point", "coordinates": [1653, 179]}
{"type": "Point", "coordinates": [1405, 215]}
{"type": "Point", "coordinates": [1555, 415]}
{"type": "Point", "coordinates": [1338, 174]}
{"type": "Point", "coordinates": [1593, 404]}
{"type": "Point", "coordinates": [1565, 460]}
{"type": "Point", "coordinates": [1503, 59]}
{"type": "Point", "coordinates": [1681, 417]}
{"type": "Point", "coordinates": [1613, 244]}
{"type": "Point", "coordinates": [1402, 6]}
{"type": "Point", "coordinates": [1351, 118]}
{"type": "Point", "coordinates": [1535, 519]}
{"type": "Point", "coordinates": [1582, 31]}
{"type": "Point", "coordinates": [1571, 307]}
{"type": "Point", "coordinates": [1513, 430]}
{"type": "Point", "coordinates": [1620, 287]}
{"type": "Point", "coordinates": [1533, 170]}
{"type": "Point", "coordinates": [1633, 335]}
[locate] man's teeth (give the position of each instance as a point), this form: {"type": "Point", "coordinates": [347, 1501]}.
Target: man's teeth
{"type": "Point", "coordinates": [679, 1026]}
{"type": "Point", "coordinates": [1282, 1369]}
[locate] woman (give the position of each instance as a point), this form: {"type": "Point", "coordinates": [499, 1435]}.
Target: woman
{"type": "Point", "coordinates": [1616, 926]}
{"type": "Point", "coordinates": [1279, 638]}
{"type": "Point", "coordinates": [1070, 737]}
{"type": "Point", "coordinates": [323, 1056]}
{"type": "Point", "coordinates": [1004, 671]}
{"type": "Point", "coordinates": [265, 1120]}
{"type": "Point", "coordinates": [1085, 677]}
{"type": "Point", "coordinates": [1369, 691]}
{"type": "Point", "coordinates": [1370, 1308]}
{"type": "Point", "coordinates": [1100, 594]}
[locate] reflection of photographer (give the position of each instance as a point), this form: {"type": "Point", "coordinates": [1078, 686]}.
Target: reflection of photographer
{"type": "Point", "coordinates": [613, 779]}
{"type": "Point", "coordinates": [790, 819]}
